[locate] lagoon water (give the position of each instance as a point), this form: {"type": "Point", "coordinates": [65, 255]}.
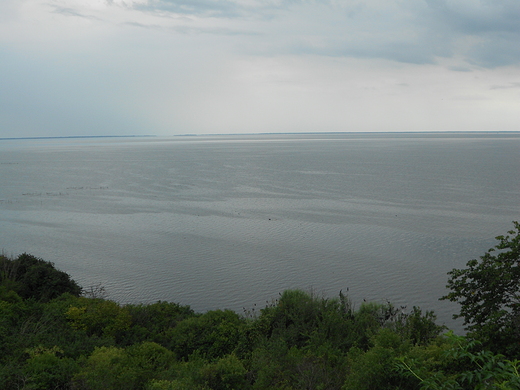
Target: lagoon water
{"type": "Point", "coordinates": [231, 221]}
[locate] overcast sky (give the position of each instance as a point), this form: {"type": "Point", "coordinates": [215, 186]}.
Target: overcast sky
{"type": "Point", "coordinates": [165, 67]}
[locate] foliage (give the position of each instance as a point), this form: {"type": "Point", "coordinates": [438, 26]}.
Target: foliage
{"type": "Point", "coordinates": [489, 294]}
{"type": "Point", "coordinates": [32, 277]}
{"type": "Point", "coordinates": [301, 318]}
{"type": "Point", "coordinates": [275, 366]}
{"type": "Point", "coordinates": [7, 294]}
{"type": "Point", "coordinates": [416, 327]}
{"type": "Point", "coordinates": [375, 368]}
{"type": "Point", "coordinates": [299, 341]}
{"type": "Point", "coordinates": [226, 373]}
{"type": "Point", "coordinates": [117, 368]}
{"type": "Point", "coordinates": [464, 366]}
{"type": "Point", "coordinates": [155, 322]}
{"type": "Point", "coordinates": [304, 341]}
{"type": "Point", "coordinates": [46, 369]}
{"type": "Point", "coordinates": [213, 334]}
{"type": "Point", "coordinates": [176, 384]}
{"type": "Point", "coordinates": [99, 317]}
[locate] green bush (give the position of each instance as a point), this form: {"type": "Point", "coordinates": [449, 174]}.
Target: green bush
{"type": "Point", "coordinates": [226, 373]}
{"type": "Point", "coordinates": [459, 363]}
{"type": "Point", "coordinates": [153, 322]}
{"type": "Point", "coordinates": [176, 384]}
{"type": "Point", "coordinates": [112, 368]}
{"type": "Point", "coordinates": [375, 368]}
{"type": "Point", "coordinates": [32, 277]}
{"type": "Point", "coordinates": [213, 334]}
{"type": "Point", "coordinates": [302, 319]}
{"type": "Point", "coordinates": [46, 370]}
{"type": "Point", "coordinates": [99, 317]}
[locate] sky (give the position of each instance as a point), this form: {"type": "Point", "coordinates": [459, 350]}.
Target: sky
{"type": "Point", "coordinates": [168, 67]}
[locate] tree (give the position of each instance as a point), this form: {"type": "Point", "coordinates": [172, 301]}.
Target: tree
{"type": "Point", "coordinates": [489, 294]}
{"type": "Point", "coordinates": [99, 317]}
{"type": "Point", "coordinates": [46, 369]}
{"type": "Point", "coordinates": [213, 334]}
{"type": "Point", "coordinates": [32, 277]}
{"type": "Point", "coordinates": [154, 322]}
{"type": "Point", "coordinates": [113, 368]}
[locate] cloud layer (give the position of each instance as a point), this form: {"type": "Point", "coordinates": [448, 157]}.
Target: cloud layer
{"type": "Point", "coordinates": [169, 66]}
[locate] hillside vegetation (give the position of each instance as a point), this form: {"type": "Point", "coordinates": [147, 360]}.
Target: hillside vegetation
{"type": "Point", "coordinates": [54, 335]}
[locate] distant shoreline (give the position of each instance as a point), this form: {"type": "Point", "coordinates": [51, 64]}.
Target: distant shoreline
{"type": "Point", "coordinates": [77, 136]}
{"type": "Point", "coordinates": [373, 133]}
{"type": "Point", "coordinates": [453, 132]}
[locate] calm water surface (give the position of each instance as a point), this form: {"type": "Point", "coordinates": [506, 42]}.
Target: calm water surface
{"type": "Point", "coordinates": [231, 221]}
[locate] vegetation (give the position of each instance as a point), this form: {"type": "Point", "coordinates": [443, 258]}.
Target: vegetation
{"type": "Point", "coordinates": [54, 336]}
{"type": "Point", "coordinates": [489, 294]}
{"type": "Point", "coordinates": [30, 277]}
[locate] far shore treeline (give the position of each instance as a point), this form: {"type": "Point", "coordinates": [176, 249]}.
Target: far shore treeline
{"type": "Point", "coordinates": [54, 334]}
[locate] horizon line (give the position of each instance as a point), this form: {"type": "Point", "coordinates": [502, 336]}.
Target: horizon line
{"type": "Point", "coordinates": [265, 133]}
{"type": "Point", "coordinates": [77, 136]}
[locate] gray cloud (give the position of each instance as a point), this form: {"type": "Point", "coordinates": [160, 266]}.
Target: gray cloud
{"type": "Point", "coordinates": [507, 86]}
{"type": "Point", "coordinates": [477, 17]}
{"type": "Point", "coordinates": [485, 33]}
{"type": "Point", "coordinates": [459, 68]}
{"type": "Point", "coordinates": [146, 26]}
{"type": "Point", "coordinates": [215, 8]}
{"type": "Point", "coordinates": [496, 49]}
{"type": "Point", "coordinates": [482, 33]}
{"type": "Point", "coordinates": [122, 66]}
{"type": "Point", "coordinates": [67, 11]}
{"type": "Point", "coordinates": [490, 28]}
{"type": "Point", "coordinates": [192, 30]}
{"type": "Point", "coordinates": [214, 31]}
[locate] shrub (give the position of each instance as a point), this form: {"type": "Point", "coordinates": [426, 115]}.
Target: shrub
{"type": "Point", "coordinates": [32, 277]}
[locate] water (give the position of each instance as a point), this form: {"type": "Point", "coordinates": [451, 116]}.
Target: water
{"type": "Point", "coordinates": [231, 221]}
